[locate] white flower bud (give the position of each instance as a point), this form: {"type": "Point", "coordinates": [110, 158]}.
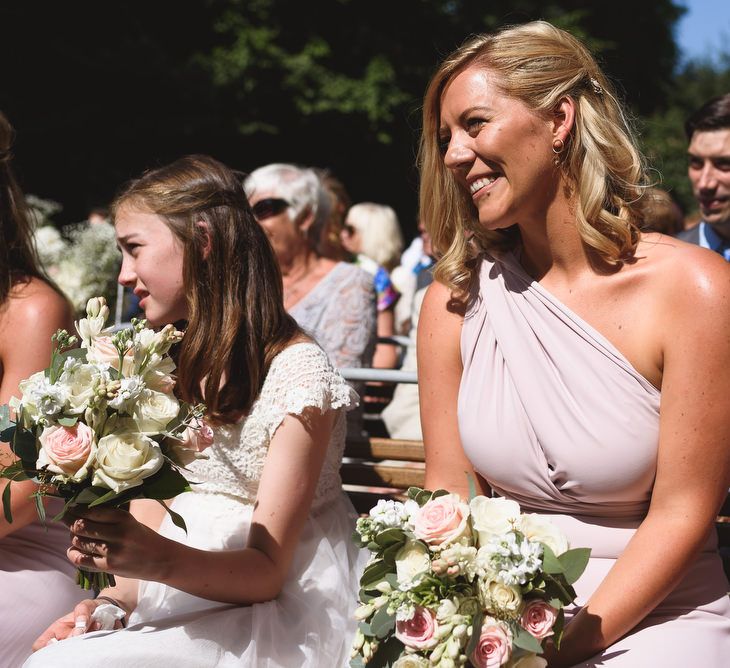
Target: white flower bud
{"type": "Point", "coordinates": [384, 587]}
{"type": "Point", "coordinates": [363, 612]}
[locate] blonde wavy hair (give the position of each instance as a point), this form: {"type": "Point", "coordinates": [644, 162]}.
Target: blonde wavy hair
{"type": "Point", "coordinates": [537, 64]}
{"type": "Point", "coordinates": [380, 233]}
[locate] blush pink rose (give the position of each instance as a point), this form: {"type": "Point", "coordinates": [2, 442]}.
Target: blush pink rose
{"type": "Point", "coordinates": [441, 521]}
{"type": "Point", "coordinates": [418, 632]}
{"type": "Point", "coordinates": [199, 437]}
{"type": "Point", "coordinates": [103, 350]}
{"type": "Point", "coordinates": [538, 619]}
{"type": "Point", "coordinates": [494, 646]}
{"type": "Point", "coordinates": [67, 450]}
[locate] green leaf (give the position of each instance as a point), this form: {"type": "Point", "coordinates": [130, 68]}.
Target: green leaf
{"type": "Point", "coordinates": [357, 662]}
{"type": "Point", "coordinates": [390, 553]}
{"type": "Point", "coordinates": [574, 563]}
{"type": "Point", "coordinates": [440, 492]}
{"type": "Point", "coordinates": [75, 353]}
{"type": "Point", "coordinates": [472, 486]}
{"type": "Point", "coordinates": [550, 563]}
{"type": "Point", "coordinates": [7, 434]}
{"type": "Point", "coordinates": [167, 483]}
{"type": "Point", "coordinates": [387, 653]}
{"type": "Point", "coordinates": [390, 537]}
{"type": "Point", "coordinates": [413, 492]}
{"type": "Point", "coordinates": [524, 640]}
{"type": "Point", "coordinates": [5, 421]}
{"type": "Point", "coordinates": [382, 623]}
{"type": "Point", "coordinates": [110, 495]}
{"type": "Point", "coordinates": [14, 471]}
{"type": "Point", "coordinates": [365, 628]}
{"type": "Point", "coordinates": [24, 445]}
{"type": "Point", "coordinates": [558, 628]}
{"type": "Point", "coordinates": [176, 518]}
{"type": "Point", "coordinates": [373, 574]}
{"type": "Point", "coordinates": [68, 421]}
{"type": "Point", "coordinates": [476, 628]}
{"type": "Point", "coordinates": [40, 508]}
{"type": "Point", "coordinates": [7, 511]}
{"type": "Point", "coordinates": [88, 495]}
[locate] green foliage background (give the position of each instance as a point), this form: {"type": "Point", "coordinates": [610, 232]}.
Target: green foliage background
{"type": "Point", "coordinates": [100, 91]}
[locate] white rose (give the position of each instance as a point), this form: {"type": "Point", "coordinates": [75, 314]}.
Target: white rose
{"type": "Point", "coordinates": [411, 661]}
{"type": "Point", "coordinates": [529, 661]}
{"type": "Point", "coordinates": [497, 597]}
{"type": "Point", "coordinates": [539, 528]}
{"type": "Point", "coordinates": [411, 561]}
{"type": "Point", "coordinates": [493, 516]}
{"type": "Point", "coordinates": [124, 460]}
{"type": "Point", "coordinates": [81, 381]}
{"type": "Point", "coordinates": [154, 411]}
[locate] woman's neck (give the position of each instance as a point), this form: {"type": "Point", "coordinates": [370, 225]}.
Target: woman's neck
{"type": "Point", "coordinates": [298, 266]}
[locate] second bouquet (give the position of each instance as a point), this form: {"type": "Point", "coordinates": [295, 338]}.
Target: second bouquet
{"type": "Point", "coordinates": [102, 425]}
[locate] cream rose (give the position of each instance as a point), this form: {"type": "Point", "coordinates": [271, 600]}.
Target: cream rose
{"type": "Point", "coordinates": [68, 451]}
{"type": "Point", "coordinates": [411, 560]}
{"type": "Point", "coordinates": [494, 646]}
{"type": "Point", "coordinates": [442, 521]}
{"type": "Point", "coordinates": [102, 351]}
{"type": "Point", "coordinates": [493, 516]}
{"type": "Point", "coordinates": [411, 661]}
{"type": "Point", "coordinates": [124, 460]}
{"type": "Point", "coordinates": [81, 381]}
{"type": "Point", "coordinates": [538, 619]}
{"type": "Point", "coordinates": [420, 631]}
{"type": "Point", "coordinates": [496, 596]}
{"type": "Point", "coordinates": [154, 411]}
{"type": "Point", "coordinates": [539, 528]}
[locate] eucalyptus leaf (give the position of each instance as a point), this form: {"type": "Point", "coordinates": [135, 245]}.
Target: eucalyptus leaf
{"type": "Point", "coordinates": [476, 628]}
{"type": "Point", "coordinates": [413, 492]}
{"type": "Point", "coordinates": [472, 486]}
{"type": "Point", "coordinates": [357, 662]}
{"type": "Point", "coordinates": [387, 653]}
{"type": "Point", "coordinates": [5, 421]}
{"type": "Point", "coordinates": [550, 563]}
{"type": "Point", "coordinates": [365, 628]}
{"type": "Point", "coordinates": [382, 623]}
{"type": "Point", "coordinates": [68, 421]}
{"type": "Point", "coordinates": [373, 574]}
{"type": "Point", "coordinates": [390, 553]}
{"type": "Point", "coordinates": [440, 492]}
{"type": "Point", "coordinates": [524, 640]}
{"type": "Point", "coordinates": [7, 434]}
{"type": "Point", "coordinates": [574, 563]}
{"type": "Point", "coordinates": [390, 537]}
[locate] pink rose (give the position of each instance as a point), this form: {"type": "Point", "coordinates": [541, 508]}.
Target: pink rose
{"type": "Point", "coordinates": [494, 647]}
{"type": "Point", "coordinates": [103, 350]}
{"type": "Point", "coordinates": [67, 450]}
{"type": "Point", "coordinates": [441, 521]}
{"type": "Point", "coordinates": [418, 632]}
{"type": "Point", "coordinates": [538, 619]}
{"type": "Point", "coordinates": [198, 437]}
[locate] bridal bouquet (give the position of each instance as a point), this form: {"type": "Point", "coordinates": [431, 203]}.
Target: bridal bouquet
{"type": "Point", "coordinates": [452, 584]}
{"type": "Point", "coordinates": [101, 424]}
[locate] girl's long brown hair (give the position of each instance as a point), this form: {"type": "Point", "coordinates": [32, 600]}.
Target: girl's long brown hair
{"type": "Point", "coordinates": [18, 258]}
{"type": "Point", "coordinates": [236, 318]}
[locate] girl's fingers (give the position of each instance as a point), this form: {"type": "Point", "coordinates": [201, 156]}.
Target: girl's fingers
{"type": "Point", "coordinates": [88, 562]}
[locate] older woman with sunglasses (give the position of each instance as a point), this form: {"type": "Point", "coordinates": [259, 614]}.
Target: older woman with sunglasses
{"type": "Point", "coordinates": [333, 301]}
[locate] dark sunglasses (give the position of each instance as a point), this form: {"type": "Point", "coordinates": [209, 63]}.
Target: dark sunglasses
{"type": "Point", "coordinates": [349, 229]}
{"type": "Point", "coordinates": [271, 206]}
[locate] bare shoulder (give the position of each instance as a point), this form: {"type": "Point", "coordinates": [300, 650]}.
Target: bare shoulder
{"type": "Point", "coordinates": [441, 299]}
{"type": "Point", "coordinates": [688, 280]}
{"type": "Point", "coordinates": [35, 304]}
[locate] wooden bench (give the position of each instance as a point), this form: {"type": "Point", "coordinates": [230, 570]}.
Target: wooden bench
{"type": "Point", "coordinates": [381, 468]}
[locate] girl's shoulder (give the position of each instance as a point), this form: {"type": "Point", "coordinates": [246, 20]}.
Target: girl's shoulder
{"type": "Point", "coordinates": [32, 302]}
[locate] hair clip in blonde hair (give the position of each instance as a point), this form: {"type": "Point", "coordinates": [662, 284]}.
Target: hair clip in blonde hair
{"type": "Point", "coordinates": [596, 86]}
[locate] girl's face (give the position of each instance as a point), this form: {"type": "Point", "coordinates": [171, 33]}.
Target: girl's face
{"type": "Point", "coordinates": [498, 150]}
{"type": "Point", "coordinates": [152, 264]}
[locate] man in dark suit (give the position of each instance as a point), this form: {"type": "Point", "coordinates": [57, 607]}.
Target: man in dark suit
{"type": "Point", "coordinates": [708, 132]}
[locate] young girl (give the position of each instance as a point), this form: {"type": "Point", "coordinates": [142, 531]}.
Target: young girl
{"type": "Point", "coordinates": [32, 556]}
{"type": "Point", "coordinates": [266, 574]}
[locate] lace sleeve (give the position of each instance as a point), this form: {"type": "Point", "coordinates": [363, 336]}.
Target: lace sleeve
{"type": "Point", "coordinates": [301, 377]}
{"type": "Point", "coordinates": [349, 323]}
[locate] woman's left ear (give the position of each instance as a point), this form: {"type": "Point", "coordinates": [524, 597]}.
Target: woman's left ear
{"type": "Point", "coordinates": [563, 118]}
{"type": "Point", "coordinates": [202, 228]}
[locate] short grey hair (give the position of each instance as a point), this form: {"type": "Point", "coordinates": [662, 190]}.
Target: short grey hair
{"type": "Point", "coordinates": [300, 186]}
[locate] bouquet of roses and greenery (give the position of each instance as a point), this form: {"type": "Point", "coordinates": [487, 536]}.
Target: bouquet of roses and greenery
{"type": "Point", "coordinates": [452, 584]}
{"type": "Point", "coordinates": [101, 424]}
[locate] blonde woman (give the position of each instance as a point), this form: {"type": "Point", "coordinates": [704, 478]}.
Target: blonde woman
{"type": "Point", "coordinates": [372, 235]}
{"type": "Point", "coordinates": [572, 363]}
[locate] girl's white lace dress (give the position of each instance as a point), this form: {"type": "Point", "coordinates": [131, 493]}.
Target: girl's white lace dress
{"type": "Point", "coordinates": [310, 623]}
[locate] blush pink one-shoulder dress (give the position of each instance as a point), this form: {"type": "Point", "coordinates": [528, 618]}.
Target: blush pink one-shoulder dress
{"type": "Point", "coordinates": [556, 418]}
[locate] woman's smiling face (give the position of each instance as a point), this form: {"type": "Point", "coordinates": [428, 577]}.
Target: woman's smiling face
{"type": "Point", "coordinates": [498, 150]}
{"type": "Point", "coordinates": [152, 264]}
